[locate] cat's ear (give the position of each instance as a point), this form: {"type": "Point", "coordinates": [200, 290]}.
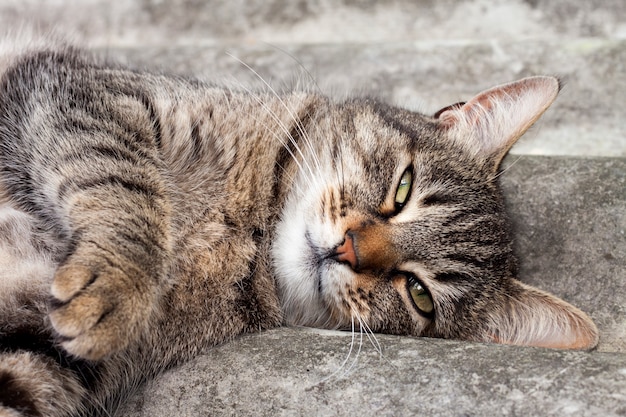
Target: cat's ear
{"type": "Point", "coordinates": [532, 317]}
{"type": "Point", "coordinates": [490, 123]}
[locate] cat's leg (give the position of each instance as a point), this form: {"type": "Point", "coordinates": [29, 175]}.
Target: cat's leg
{"type": "Point", "coordinates": [111, 282]}
{"type": "Point", "coordinates": [37, 376]}
{"type": "Point", "coordinates": [25, 275]}
{"type": "Point", "coordinates": [107, 203]}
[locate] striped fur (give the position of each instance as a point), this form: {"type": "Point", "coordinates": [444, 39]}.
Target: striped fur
{"type": "Point", "coordinates": [145, 217]}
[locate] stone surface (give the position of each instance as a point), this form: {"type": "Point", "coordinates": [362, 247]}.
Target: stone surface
{"type": "Point", "coordinates": [420, 54]}
{"type": "Point", "coordinates": [588, 117]}
{"type": "Point", "coordinates": [156, 22]}
{"type": "Point", "coordinates": [306, 372]}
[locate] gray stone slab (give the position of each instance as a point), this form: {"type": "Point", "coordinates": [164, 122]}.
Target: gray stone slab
{"type": "Point", "coordinates": [420, 54]}
{"type": "Point", "coordinates": [570, 221]}
{"type": "Point", "coordinates": [300, 372]}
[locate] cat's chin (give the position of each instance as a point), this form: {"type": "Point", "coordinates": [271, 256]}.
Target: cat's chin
{"type": "Point", "coordinates": [306, 275]}
{"type": "Point", "coordinates": [297, 275]}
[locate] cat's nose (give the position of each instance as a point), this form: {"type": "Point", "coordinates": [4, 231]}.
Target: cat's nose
{"type": "Point", "coordinates": [345, 252]}
{"type": "Point", "coordinates": [367, 248]}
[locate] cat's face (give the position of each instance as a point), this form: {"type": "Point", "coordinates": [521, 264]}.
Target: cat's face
{"type": "Point", "coordinates": [409, 209]}
{"type": "Point", "coordinates": [394, 223]}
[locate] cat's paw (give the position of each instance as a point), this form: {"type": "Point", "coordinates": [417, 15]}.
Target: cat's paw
{"type": "Point", "coordinates": [98, 307]}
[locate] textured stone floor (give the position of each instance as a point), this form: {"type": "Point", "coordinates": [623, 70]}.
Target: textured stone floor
{"type": "Point", "coordinates": [308, 372]}
{"type": "Point", "coordinates": [566, 186]}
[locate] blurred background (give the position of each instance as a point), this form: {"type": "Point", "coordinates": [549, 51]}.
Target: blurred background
{"type": "Point", "coordinates": [420, 54]}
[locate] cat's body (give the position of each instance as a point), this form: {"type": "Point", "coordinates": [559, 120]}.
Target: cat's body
{"type": "Point", "coordinates": [145, 217]}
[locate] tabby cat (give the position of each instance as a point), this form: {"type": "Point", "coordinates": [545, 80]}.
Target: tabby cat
{"type": "Point", "coordinates": [144, 217]}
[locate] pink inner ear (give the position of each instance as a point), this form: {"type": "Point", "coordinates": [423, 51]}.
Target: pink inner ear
{"type": "Point", "coordinates": [491, 122]}
{"type": "Point", "coordinates": [513, 94]}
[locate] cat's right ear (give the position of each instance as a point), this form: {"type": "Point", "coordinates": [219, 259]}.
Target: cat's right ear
{"type": "Point", "coordinates": [491, 122]}
{"type": "Point", "coordinates": [532, 317]}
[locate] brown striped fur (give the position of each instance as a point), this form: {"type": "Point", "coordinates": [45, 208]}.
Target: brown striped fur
{"type": "Point", "coordinates": [144, 217]}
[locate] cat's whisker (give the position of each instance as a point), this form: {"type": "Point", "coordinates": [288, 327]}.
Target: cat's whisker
{"type": "Point", "coordinates": [309, 175]}
{"type": "Point", "coordinates": [363, 328]}
{"type": "Point", "coordinates": [298, 122]}
{"type": "Point", "coordinates": [371, 336]}
{"type": "Point", "coordinates": [279, 138]}
{"type": "Point", "coordinates": [300, 64]}
{"type": "Point", "coordinates": [340, 173]}
{"type": "Point", "coordinates": [345, 361]}
{"type": "Point", "coordinates": [279, 123]}
{"type": "Point", "coordinates": [502, 172]}
{"type": "Point", "coordinates": [358, 353]}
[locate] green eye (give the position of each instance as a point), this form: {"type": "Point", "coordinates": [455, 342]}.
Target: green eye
{"type": "Point", "coordinates": [421, 298]}
{"type": "Point", "coordinates": [404, 188]}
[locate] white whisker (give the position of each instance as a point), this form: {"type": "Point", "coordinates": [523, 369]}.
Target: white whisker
{"type": "Point", "coordinates": [343, 364]}
{"type": "Point", "coordinates": [300, 64]}
{"type": "Point", "coordinates": [307, 173]}
{"type": "Point", "coordinates": [508, 168]}
{"type": "Point", "coordinates": [371, 337]}
{"type": "Point", "coordinates": [297, 121]}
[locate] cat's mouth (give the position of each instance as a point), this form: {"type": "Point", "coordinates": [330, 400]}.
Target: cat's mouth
{"type": "Point", "coordinates": [319, 260]}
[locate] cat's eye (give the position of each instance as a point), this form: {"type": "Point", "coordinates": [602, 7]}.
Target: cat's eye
{"type": "Point", "coordinates": [404, 188]}
{"type": "Point", "coordinates": [421, 297]}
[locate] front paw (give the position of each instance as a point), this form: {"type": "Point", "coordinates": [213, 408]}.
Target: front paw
{"type": "Point", "coordinates": [99, 307]}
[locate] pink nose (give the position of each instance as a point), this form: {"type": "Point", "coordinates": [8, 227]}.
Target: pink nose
{"type": "Point", "coordinates": [345, 252]}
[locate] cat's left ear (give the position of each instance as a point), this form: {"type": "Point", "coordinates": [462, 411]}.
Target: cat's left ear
{"type": "Point", "coordinates": [491, 122]}
{"type": "Point", "coordinates": [532, 317]}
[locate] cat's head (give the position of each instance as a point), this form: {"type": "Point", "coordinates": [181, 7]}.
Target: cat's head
{"type": "Point", "coordinates": [394, 222]}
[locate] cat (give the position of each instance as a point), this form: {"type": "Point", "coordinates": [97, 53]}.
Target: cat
{"type": "Point", "coordinates": [145, 217]}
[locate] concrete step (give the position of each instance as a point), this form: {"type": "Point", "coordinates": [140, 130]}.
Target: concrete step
{"type": "Point", "coordinates": [419, 54]}
{"type": "Point", "coordinates": [308, 372]}
{"type": "Point", "coordinates": [159, 22]}
{"type": "Point", "coordinates": [569, 216]}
